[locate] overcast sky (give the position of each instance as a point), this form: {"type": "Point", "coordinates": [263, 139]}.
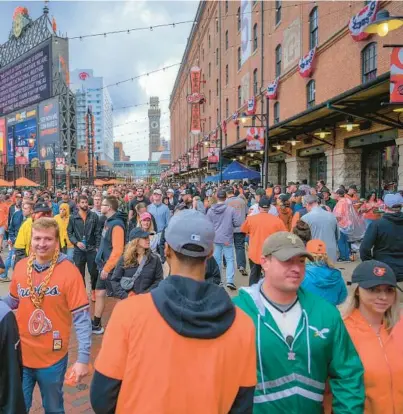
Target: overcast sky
{"type": "Point", "coordinates": [121, 56]}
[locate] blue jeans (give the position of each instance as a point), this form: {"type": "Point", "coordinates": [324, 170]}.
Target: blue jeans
{"type": "Point", "coordinates": [70, 253]}
{"type": "Point", "coordinates": [344, 247]}
{"type": "Point", "coordinates": [228, 251]}
{"type": "Point", "coordinates": [50, 381]}
{"type": "Point", "coordinates": [9, 263]}
{"type": "Point", "coordinates": [239, 242]}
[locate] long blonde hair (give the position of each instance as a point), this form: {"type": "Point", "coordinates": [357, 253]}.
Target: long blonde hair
{"type": "Point", "coordinates": [322, 258]}
{"type": "Point", "coordinates": [391, 316]}
{"type": "Point", "coordinates": [130, 256]}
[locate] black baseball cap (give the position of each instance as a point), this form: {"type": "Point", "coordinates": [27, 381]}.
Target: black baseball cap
{"type": "Point", "coordinates": [221, 194]}
{"type": "Point", "coordinates": [373, 273]}
{"type": "Point", "coordinates": [42, 208]}
{"type": "Point", "coordinates": [340, 192]}
{"type": "Point", "coordinates": [186, 191]}
{"type": "Point", "coordinates": [138, 233]}
{"type": "Point", "coordinates": [264, 202]}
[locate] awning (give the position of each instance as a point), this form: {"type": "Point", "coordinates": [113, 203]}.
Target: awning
{"type": "Point", "coordinates": [364, 102]}
{"type": "Point", "coordinates": [25, 182]}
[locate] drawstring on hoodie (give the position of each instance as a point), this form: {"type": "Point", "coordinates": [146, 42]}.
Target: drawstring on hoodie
{"type": "Point", "coordinates": [260, 355]}
{"type": "Point", "coordinates": [307, 340]}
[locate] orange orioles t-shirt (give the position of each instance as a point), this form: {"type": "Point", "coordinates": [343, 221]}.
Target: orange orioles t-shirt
{"type": "Point", "coordinates": [65, 295]}
{"type": "Point", "coordinates": [164, 372]}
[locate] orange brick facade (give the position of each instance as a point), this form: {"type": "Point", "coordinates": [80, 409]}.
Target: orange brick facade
{"type": "Point", "coordinates": [338, 65]}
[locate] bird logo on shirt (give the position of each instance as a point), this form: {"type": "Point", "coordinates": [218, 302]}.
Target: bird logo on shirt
{"type": "Point", "coordinates": [320, 333]}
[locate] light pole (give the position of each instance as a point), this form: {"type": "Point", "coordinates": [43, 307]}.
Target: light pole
{"type": "Point", "coordinates": [264, 120]}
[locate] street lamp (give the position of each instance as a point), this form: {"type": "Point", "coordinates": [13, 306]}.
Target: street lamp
{"type": "Point", "coordinates": [349, 125]}
{"type": "Point", "coordinates": [384, 23]}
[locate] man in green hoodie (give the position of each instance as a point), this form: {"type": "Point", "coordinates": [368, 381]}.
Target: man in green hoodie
{"type": "Point", "coordinates": [301, 340]}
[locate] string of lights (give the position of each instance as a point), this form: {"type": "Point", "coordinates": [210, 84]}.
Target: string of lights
{"type": "Point", "coordinates": [163, 114]}
{"type": "Point", "coordinates": [120, 108]}
{"type": "Point", "coordinates": [174, 24]}
{"type": "Point", "coordinates": [138, 132]}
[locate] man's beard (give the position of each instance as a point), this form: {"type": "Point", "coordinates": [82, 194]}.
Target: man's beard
{"type": "Point", "coordinates": [85, 208]}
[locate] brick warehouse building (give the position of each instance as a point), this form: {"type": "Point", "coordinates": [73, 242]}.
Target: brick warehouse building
{"type": "Point", "coordinates": [350, 81]}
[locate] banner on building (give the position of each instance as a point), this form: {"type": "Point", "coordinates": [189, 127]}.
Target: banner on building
{"type": "Point", "coordinates": [291, 44]}
{"type": "Point", "coordinates": [213, 139]}
{"type": "Point", "coordinates": [245, 83]}
{"type": "Point", "coordinates": [48, 128]}
{"type": "Point", "coordinates": [213, 156]}
{"type": "Point", "coordinates": [362, 19]}
{"type": "Point", "coordinates": [3, 139]}
{"type": "Point", "coordinates": [60, 163]}
{"type": "Point", "coordinates": [271, 91]}
{"type": "Point", "coordinates": [255, 139]}
{"type": "Point", "coordinates": [184, 164]}
{"type": "Point", "coordinates": [195, 161]}
{"type": "Point", "coordinates": [396, 75]}
{"type": "Point", "coordinates": [246, 30]}
{"type": "Point", "coordinates": [251, 107]}
{"type": "Point", "coordinates": [22, 127]}
{"type": "Point", "coordinates": [195, 99]}
{"type": "Point", "coordinates": [306, 64]}
{"type": "Point", "coordinates": [176, 168]}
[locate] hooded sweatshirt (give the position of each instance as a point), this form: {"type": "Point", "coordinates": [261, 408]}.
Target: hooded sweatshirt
{"type": "Point", "coordinates": [176, 353]}
{"type": "Point", "coordinates": [383, 241]}
{"type": "Point", "coordinates": [225, 219]}
{"type": "Point", "coordinates": [326, 282]}
{"type": "Point", "coordinates": [322, 351]}
{"type": "Point", "coordinates": [382, 357]}
{"type": "Point", "coordinates": [63, 222]}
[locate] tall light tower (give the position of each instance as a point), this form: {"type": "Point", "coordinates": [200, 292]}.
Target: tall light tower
{"type": "Point", "coordinates": [154, 117]}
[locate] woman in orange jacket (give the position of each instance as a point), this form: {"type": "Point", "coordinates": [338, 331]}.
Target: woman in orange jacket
{"type": "Point", "coordinates": [375, 324]}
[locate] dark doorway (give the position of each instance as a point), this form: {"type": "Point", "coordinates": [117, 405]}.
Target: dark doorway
{"type": "Point", "coordinates": [318, 169]}
{"type": "Point", "coordinates": [282, 174]}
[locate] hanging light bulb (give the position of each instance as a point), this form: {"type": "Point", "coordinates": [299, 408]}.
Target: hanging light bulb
{"type": "Point", "coordinates": [349, 125]}
{"type": "Point", "coordinates": [322, 133]}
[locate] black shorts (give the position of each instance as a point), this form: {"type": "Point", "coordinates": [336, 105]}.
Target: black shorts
{"type": "Point", "coordinates": [104, 284]}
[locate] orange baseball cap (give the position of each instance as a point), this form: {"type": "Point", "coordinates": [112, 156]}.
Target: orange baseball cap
{"type": "Point", "coordinates": [316, 246]}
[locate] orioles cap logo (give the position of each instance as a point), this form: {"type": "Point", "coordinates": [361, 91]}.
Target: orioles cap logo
{"type": "Point", "coordinates": [379, 271]}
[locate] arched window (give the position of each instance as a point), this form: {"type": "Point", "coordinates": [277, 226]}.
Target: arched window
{"type": "Point", "coordinates": [310, 94]}
{"type": "Point", "coordinates": [369, 62]}
{"type": "Point", "coordinates": [226, 6]}
{"type": "Point", "coordinates": [276, 113]}
{"type": "Point", "coordinates": [255, 83]}
{"type": "Point", "coordinates": [278, 11]}
{"type": "Point", "coordinates": [226, 108]}
{"type": "Point", "coordinates": [226, 40]}
{"type": "Point", "coordinates": [226, 74]}
{"type": "Point", "coordinates": [216, 56]}
{"type": "Point", "coordinates": [278, 60]}
{"type": "Point", "coordinates": [238, 134]}
{"type": "Point", "coordinates": [313, 28]}
{"type": "Point", "coordinates": [216, 87]}
{"type": "Point", "coordinates": [238, 15]}
{"type": "Point", "coordinates": [255, 37]}
{"type": "Point", "coordinates": [209, 70]}
{"type": "Point", "coordinates": [239, 96]}
{"type": "Point", "coordinates": [239, 58]}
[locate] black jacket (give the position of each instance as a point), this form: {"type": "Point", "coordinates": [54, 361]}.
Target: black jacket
{"type": "Point", "coordinates": [150, 277]}
{"type": "Point", "coordinates": [383, 241]}
{"type": "Point", "coordinates": [11, 395]}
{"type": "Point", "coordinates": [77, 229]}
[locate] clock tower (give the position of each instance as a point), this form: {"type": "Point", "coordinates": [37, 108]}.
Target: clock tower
{"type": "Point", "coordinates": [154, 118]}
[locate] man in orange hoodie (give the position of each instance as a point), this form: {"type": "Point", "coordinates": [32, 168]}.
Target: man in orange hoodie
{"type": "Point", "coordinates": [260, 227]}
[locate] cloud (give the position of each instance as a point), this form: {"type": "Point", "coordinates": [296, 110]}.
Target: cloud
{"type": "Point", "coordinates": [122, 56]}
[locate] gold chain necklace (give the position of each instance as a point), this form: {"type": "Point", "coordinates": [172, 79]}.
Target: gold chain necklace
{"type": "Point", "coordinates": [37, 298]}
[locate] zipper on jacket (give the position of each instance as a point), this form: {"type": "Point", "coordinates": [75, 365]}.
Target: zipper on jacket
{"type": "Point", "coordinates": [390, 371]}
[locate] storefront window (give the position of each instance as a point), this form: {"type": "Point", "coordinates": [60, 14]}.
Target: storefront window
{"type": "Point", "coordinates": [318, 169]}
{"type": "Point", "coordinates": [380, 165]}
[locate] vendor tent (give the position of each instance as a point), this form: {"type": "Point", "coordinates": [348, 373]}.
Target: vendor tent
{"type": "Point", "coordinates": [4, 183]}
{"type": "Point", "coordinates": [25, 182]}
{"type": "Point", "coordinates": [235, 171]}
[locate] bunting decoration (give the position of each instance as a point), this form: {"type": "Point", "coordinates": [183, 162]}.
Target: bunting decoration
{"type": "Point", "coordinates": [271, 91]}
{"type": "Point", "coordinates": [224, 126]}
{"type": "Point", "coordinates": [306, 64]}
{"type": "Point", "coordinates": [251, 108]}
{"type": "Point", "coordinates": [362, 19]}
{"type": "Point", "coordinates": [235, 117]}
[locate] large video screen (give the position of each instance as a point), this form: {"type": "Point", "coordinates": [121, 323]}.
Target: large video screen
{"type": "Point", "coordinates": [23, 127]}
{"type": "Point", "coordinates": [26, 82]}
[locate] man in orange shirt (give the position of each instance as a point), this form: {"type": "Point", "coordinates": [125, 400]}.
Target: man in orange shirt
{"type": "Point", "coordinates": [49, 294]}
{"type": "Point", "coordinates": [260, 227]}
{"type": "Point", "coordinates": [109, 252]}
{"type": "Point", "coordinates": [182, 348]}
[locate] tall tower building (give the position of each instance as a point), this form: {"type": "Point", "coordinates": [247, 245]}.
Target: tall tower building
{"type": "Point", "coordinates": [154, 118]}
{"type": "Point", "coordinates": [91, 92]}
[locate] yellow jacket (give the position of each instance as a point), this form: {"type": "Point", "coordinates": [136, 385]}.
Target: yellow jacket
{"type": "Point", "coordinates": [63, 223]}
{"type": "Point", "coordinates": [23, 240]}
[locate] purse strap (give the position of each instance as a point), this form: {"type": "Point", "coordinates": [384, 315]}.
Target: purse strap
{"type": "Point", "coordinates": [139, 269]}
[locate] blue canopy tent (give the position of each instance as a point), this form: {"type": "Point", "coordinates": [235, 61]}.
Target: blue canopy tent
{"type": "Point", "coordinates": [235, 171]}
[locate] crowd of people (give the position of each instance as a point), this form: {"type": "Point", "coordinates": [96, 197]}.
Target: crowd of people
{"type": "Point", "coordinates": [294, 340]}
